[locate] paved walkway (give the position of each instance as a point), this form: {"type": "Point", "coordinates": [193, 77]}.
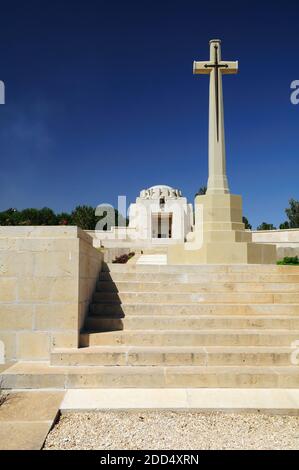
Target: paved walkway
{"type": "Point", "coordinates": [26, 418]}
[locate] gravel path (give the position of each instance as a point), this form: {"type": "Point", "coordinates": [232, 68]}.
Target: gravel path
{"type": "Point", "coordinates": [173, 430]}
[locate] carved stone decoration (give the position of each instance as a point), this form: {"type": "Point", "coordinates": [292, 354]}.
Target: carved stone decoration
{"type": "Point", "coordinates": [155, 192]}
{"type": "Point", "coordinates": [165, 192]}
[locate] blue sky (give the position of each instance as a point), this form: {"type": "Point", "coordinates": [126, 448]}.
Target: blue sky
{"type": "Point", "coordinates": [101, 101]}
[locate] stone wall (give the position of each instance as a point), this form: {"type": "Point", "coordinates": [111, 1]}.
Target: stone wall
{"type": "Point", "coordinates": [47, 276]}
{"type": "Point", "coordinates": [90, 263]}
{"type": "Point", "coordinates": [286, 241]}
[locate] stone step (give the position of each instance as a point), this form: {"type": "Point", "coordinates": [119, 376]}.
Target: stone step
{"type": "Point", "coordinates": [172, 356]}
{"type": "Point", "coordinates": [198, 297]}
{"type": "Point", "coordinates": [156, 259]}
{"type": "Point", "coordinates": [165, 322]}
{"type": "Point", "coordinates": [208, 337]}
{"type": "Point", "coordinates": [204, 268]}
{"type": "Point", "coordinates": [137, 286]}
{"type": "Point", "coordinates": [233, 400]}
{"type": "Point", "coordinates": [185, 277]}
{"type": "Point", "coordinates": [41, 375]}
{"type": "Point", "coordinates": [155, 250]}
{"type": "Point", "coordinates": [193, 309]}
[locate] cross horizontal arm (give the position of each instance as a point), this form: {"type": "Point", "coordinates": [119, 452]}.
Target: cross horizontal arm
{"type": "Point", "coordinates": [200, 67]}
{"type": "Point", "coordinates": [205, 67]}
{"type": "Point", "coordinates": [232, 67]}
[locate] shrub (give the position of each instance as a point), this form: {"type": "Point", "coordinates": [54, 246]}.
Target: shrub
{"type": "Point", "coordinates": [123, 259]}
{"type": "Point", "coordinates": [289, 260]}
{"type": "Point", "coordinates": [284, 225]}
{"type": "Point", "coordinates": [266, 226]}
{"type": "Point", "coordinates": [245, 221]}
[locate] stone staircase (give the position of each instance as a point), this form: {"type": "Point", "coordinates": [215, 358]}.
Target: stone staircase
{"type": "Point", "coordinates": [153, 326]}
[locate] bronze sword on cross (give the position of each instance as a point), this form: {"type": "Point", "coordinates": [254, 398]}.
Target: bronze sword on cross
{"type": "Point", "coordinates": [215, 67]}
{"type": "Point", "coordinates": [215, 63]}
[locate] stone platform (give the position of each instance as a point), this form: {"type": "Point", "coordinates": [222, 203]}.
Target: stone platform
{"type": "Point", "coordinates": [219, 236]}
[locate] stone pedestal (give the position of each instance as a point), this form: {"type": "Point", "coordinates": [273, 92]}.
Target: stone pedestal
{"type": "Point", "coordinates": [219, 236]}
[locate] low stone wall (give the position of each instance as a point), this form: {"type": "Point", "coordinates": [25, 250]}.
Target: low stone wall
{"type": "Point", "coordinates": [114, 238]}
{"type": "Point", "coordinates": [124, 238]}
{"type": "Point", "coordinates": [286, 241]}
{"type": "Point", "coordinates": [47, 276]}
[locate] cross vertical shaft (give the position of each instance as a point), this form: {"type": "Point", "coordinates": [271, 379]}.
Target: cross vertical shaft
{"type": "Point", "coordinates": [217, 182]}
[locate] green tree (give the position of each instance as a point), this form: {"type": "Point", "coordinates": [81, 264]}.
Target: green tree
{"type": "Point", "coordinates": [248, 226]}
{"type": "Point", "coordinates": [266, 226]}
{"type": "Point", "coordinates": [293, 213]}
{"type": "Point", "coordinates": [111, 216]}
{"type": "Point", "coordinates": [84, 217]}
{"type": "Point", "coordinates": [29, 216]}
{"type": "Point", "coordinates": [47, 216]}
{"type": "Point", "coordinates": [44, 216]}
{"type": "Point", "coordinates": [284, 225]}
{"type": "Point", "coordinates": [10, 217]}
{"type": "Point", "coordinates": [202, 191]}
{"type": "Point", "coordinates": [64, 218]}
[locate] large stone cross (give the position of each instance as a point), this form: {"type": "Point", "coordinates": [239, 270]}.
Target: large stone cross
{"type": "Point", "coordinates": [217, 182]}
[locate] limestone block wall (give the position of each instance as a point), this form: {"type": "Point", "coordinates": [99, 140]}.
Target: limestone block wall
{"type": "Point", "coordinates": [286, 241]}
{"type": "Point", "coordinates": [47, 275]}
{"type": "Point", "coordinates": [90, 263]}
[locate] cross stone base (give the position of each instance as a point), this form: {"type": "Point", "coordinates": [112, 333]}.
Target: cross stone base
{"type": "Point", "coordinates": [219, 236]}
